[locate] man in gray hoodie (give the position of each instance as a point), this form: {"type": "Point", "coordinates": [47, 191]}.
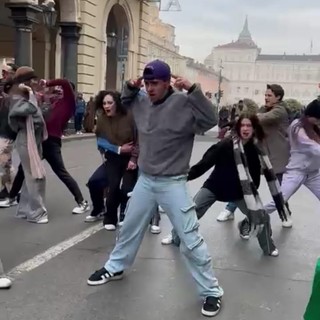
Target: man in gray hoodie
{"type": "Point", "coordinates": [167, 122]}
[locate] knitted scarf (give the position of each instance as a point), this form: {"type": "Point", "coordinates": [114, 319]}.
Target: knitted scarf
{"type": "Point", "coordinates": [36, 165]}
{"type": "Point", "coordinates": [251, 196]}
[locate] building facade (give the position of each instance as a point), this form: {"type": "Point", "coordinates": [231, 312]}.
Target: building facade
{"type": "Point", "coordinates": [161, 45]}
{"type": "Point", "coordinates": [249, 71]}
{"type": "Point", "coordinates": [94, 43]}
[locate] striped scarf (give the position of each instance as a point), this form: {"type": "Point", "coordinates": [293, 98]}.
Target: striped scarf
{"type": "Point", "coordinates": [257, 216]}
{"type": "Point", "coordinates": [36, 165]}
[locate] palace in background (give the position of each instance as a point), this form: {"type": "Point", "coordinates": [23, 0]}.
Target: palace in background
{"type": "Point", "coordinates": [249, 71]}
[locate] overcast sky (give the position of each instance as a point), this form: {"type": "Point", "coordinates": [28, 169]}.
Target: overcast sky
{"type": "Point", "coordinates": [277, 26]}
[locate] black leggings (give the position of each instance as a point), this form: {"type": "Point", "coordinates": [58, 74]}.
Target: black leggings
{"type": "Point", "coordinates": [109, 176]}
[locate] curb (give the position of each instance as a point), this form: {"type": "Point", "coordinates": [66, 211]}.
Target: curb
{"type": "Point", "coordinates": [86, 136]}
{"type": "Point", "coordinates": [78, 137]}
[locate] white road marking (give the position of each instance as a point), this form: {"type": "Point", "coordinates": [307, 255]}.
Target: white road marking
{"type": "Point", "coordinates": [52, 252]}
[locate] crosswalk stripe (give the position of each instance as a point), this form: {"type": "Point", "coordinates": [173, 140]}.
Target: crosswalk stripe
{"type": "Point", "coordinates": [52, 252]}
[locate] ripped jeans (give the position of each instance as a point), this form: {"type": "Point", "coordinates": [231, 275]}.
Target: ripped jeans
{"type": "Point", "coordinates": [172, 195]}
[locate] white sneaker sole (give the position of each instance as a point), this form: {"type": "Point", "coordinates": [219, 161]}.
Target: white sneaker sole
{"type": "Point", "coordinates": [110, 228]}
{"type": "Point", "coordinates": [244, 237]}
{"type": "Point", "coordinates": [287, 224]}
{"type": "Point", "coordinates": [210, 313]}
{"type": "Point", "coordinates": [166, 242]}
{"type": "Point", "coordinates": [225, 219]}
{"type": "Point", "coordinates": [155, 231]}
{"type": "Point", "coordinates": [75, 211]}
{"type": "Point", "coordinates": [274, 253]}
{"type": "Point", "coordinates": [104, 281]}
{"type": "Point", "coordinates": [91, 219]}
{"type": "Point", "coordinates": [5, 283]}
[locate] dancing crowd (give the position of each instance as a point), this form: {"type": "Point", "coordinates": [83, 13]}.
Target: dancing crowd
{"type": "Point", "coordinates": [145, 136]}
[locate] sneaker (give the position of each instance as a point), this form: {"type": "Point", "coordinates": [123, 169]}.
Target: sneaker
{"type": "Point", "coordinates": [7, 203]}
{"type": "Point", "coordinates": [5, 283]}
{"type": "Point", "coordinates": [110, 227]}
{"type": "Point", "coordinates": [211, 306]}
{"type": "Point", "coordinates": [244, 229]}
{"type": "Point", "coordinates": [225, 215]}
{"type": "Point", "coordinates": [43, 220]}
{"type": "Point", "coordinates": [94, 218]}
{"type": "Point", "coordinates": [81, 208]}
{"type": "Point", "coordinates": [167, 240]}
{"type": "Point", "coordinates": [274, 253]}
{"type": "Point", "coordinates": [103, 276]}
{"type": "Point", "coordinates": [155, 229]}
{"type": "Point", "coordinates": [14, 202]}
{"type": "Point", "coordinates": [288, 223]}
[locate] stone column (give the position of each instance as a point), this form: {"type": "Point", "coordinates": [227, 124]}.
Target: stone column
{"type": "Point", "coordinates": [70, 34]}
{"type": "Point", "coordinates": [24, 15]}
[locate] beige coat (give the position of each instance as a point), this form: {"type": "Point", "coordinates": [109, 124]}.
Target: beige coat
{"type": "Point", "coordinates": [275, 124]}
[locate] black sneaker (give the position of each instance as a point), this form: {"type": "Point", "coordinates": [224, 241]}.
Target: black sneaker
{"type": "Point", "coordinates": [244, 229]}
{"type": "Point", "coordinates": [211, 306]}
{"type": "Point", "coordinates": [103, 276]}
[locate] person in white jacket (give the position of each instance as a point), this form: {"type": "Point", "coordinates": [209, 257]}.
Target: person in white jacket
{"type": "Point", "coordinates": [304, 163]}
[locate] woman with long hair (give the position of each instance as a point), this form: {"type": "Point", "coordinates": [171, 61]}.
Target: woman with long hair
{"type": "Point", "coordinates": [116, 126]}
{"type": "Point", "coordinates": [237, 162]}
{"type": "Point", "coordinates": [25, 118]}
{"type": "Point", "coordinates": [304, 163]}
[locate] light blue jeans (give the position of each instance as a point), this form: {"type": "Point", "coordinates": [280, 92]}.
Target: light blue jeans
{"type": "Point", "coordinates": [172, 195]}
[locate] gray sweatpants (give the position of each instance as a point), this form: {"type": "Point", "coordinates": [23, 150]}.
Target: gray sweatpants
{"type": "Point", "coordinates": [31, 205]}
{"type": "Point", "coordinates": [204, 199]}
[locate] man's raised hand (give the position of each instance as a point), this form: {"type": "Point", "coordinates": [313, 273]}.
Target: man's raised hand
{"type": "Point", "coordinates": [136, 83]}
{"type": "Point", "coordinates": [181, 83]}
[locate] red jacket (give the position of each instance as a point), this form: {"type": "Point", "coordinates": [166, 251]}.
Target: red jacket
{"type": "Point", "coordinates": [62, 109]}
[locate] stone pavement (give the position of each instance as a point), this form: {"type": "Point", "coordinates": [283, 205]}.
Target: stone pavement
{"type": "Point", "coordinates": [157, 286]}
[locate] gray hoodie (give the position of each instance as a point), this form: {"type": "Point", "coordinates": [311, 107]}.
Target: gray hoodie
{"type": "Point", "coordinates": [166, 130]}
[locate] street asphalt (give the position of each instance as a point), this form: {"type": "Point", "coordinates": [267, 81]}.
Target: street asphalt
{"type": "Point", "coordinates": [157, 286]}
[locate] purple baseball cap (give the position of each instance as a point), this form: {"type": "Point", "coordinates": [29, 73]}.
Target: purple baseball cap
{"type": "Point", "coordinates": [157, 70]}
